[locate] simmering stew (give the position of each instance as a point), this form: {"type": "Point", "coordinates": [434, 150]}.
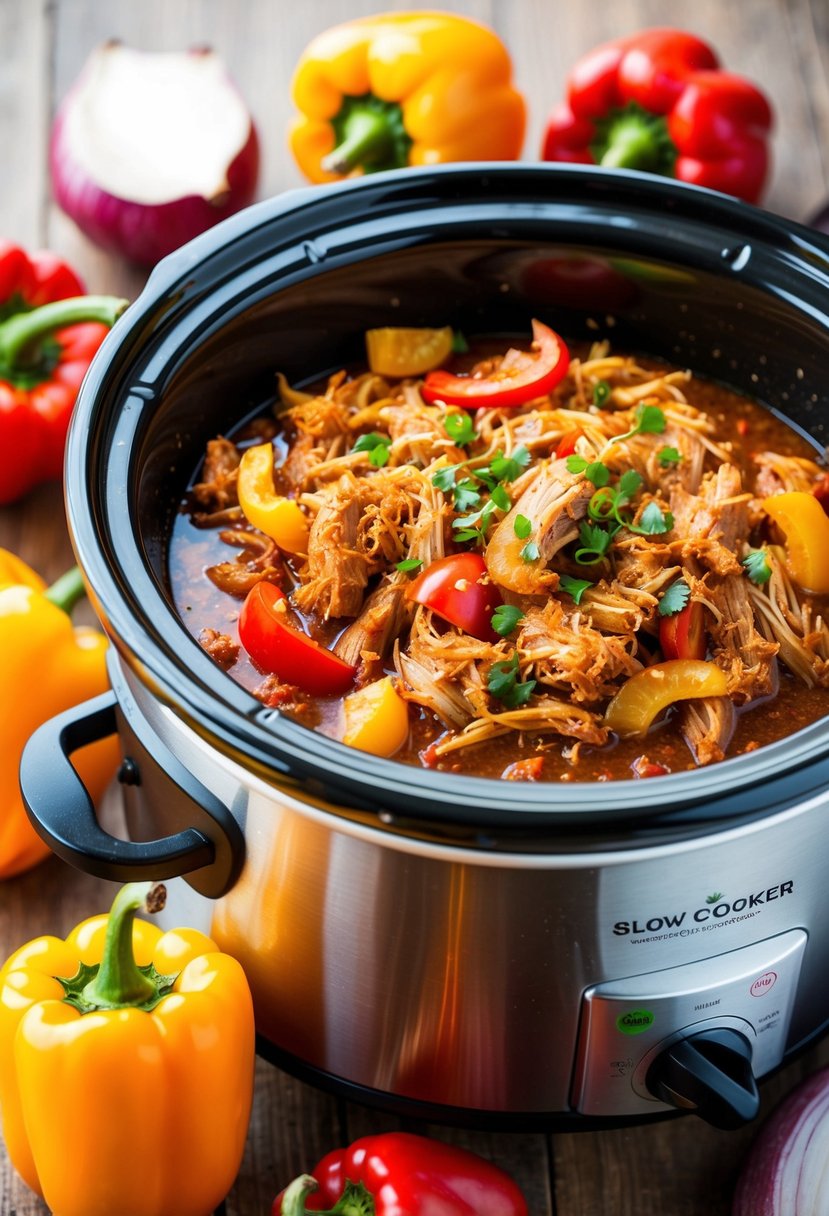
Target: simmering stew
{"type": "Point", "coordinates": [526, 565]}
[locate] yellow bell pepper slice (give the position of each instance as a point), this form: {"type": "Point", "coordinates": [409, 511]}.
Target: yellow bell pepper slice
{"type": "Point", "coordinates": [653, 689]}
{"type": "Point", "coordinates": [407, 352]}
{"type": "Point", "coordinates": [806, 526]}
{"type": "Point", "coordinates": [278, 517]}
{"type": "Point", "coordinates": [376, 719]}
{"type": "Point", "coordinates": [128, 1058]}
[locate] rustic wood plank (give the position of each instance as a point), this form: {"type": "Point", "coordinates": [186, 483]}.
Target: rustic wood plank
{"type": "Point", "coordinates": [25, 90]}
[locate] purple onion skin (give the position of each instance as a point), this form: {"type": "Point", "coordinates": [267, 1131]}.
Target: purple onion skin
{"type": "Point", "coordinates": [755, 1193]}
{"type": "Point", "coordinates": [140, 232]}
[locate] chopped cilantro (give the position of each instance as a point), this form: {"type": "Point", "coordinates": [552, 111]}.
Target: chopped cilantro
{"type": "Point", "coordinates": [460, 428]}
{"type": "Point", "coordinates": [601, 393]}
{"type": "Point", "coordinates": [503, 683]}
{"type": "Point", "coordinates": [522, 527]}
{"type": "Point", "coordinates": [575, 587]}
{"type": "Point", "coordinates": [668, 457]}
{"type": "Point", "coordinates": [595, 542]}
{"type": "Point", "coordinates": [444, 479]}
{"type": "Point", "coordinates": [653, 521]}
{"type": "Point", "coordinates": [379, 455]}
{"type": "Point", "coordinates": [408, 564]}
{"type": "Point", "coordinates": [459, 343]}
{"type": "Point", "coordinates": [598, 473]}
{"type": "Point", "coordinates": [508, 468]}
{"type": "Point", "coordinates": [629, 483]}
{"type": "Point", "coordinates": [501, 498]}
{"type": "Point", "coordinates": [675, 598]}
{"type": "Point", "coordinates": [505, 618]}
{"type": "Point", "coordinates": [465, 494]}
{"type": "Point", "coordinates": [367, 443]}
{"type": "Point", "coordinates": [650, 420]}
{"type": "Point", "coordinates": [530, 552]}
{"type": "Point", "coordinates": [757, 566]}
{"type": "Point", "coordinates": [576, 463]}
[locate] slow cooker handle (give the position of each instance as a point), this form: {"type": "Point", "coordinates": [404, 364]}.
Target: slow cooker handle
{"type": "Point", "coordinates": [63, 814]}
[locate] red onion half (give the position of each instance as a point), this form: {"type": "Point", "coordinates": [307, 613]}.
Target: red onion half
{"type": "Point", "coordinates": [148, 150]}
{"type": "Point", "coordinates": [787, 1171]}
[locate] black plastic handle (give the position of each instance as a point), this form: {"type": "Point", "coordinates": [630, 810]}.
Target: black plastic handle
{"type": "Point", "coordinates": [63, 814]}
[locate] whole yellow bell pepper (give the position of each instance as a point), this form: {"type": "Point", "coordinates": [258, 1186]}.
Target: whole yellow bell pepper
{"type": "Point", "coordinates": [397, 89]}
{"type": "Point", "coordinates": [127, 1065]}
{"type": "Point", "coordinates": [48, 666]}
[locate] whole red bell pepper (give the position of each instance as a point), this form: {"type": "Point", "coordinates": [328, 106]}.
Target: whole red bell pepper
{"type": "Point", "coordinates": [658, 101]}
{"type": "Point", "coordinates": [398, 1174]}
{"type": "Point", "coordinates": [49, 331]}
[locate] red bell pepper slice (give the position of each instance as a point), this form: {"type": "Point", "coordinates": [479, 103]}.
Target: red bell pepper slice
{"type": "Point", "coordinates": [682, 636]}
{"type": "Point", "coordinates": [522, 376]}
{"type": "Point", "coordinates": [398, 1173]}
{"type": "Point", "coordinates": [458, 589]}
{"type": "Point", "coordinates": [277, 646]}
{"type": "Point", "coordinates": [659, 101]}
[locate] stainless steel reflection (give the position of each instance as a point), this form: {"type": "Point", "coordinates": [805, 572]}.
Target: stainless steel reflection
{"type": "Point", "coordinates": [454, 974]}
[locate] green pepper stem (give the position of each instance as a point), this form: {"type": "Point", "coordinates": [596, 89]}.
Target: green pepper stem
{"type": "Point", "coordinates": [367, 137]}
{"type": "Point", "coordinates": [25, 328]}
{"type": "Point", "coordinates": [354, 1201]}
{"type": "Point", "coordinates": [67, 590]}
{"type": "Point", "coordinates": [119, 983]}
{"type": "Point", "coordinates": [634, 138]}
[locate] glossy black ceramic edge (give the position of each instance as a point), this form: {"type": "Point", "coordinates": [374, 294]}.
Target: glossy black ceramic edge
{"type": "Point", "coordinates": [792, 263]}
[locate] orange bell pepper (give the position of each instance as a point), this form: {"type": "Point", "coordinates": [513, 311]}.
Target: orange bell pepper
{"type": "Point", "coordinates": [399, 89]}
{"type": "Point", "coordinates": [653, 689]}
{"type": "Point", "coordinates": [806, 526]}
{"type": "Point", "coordinates": [128, 1059]}
{"type": "Point", "coordinates": [48, 666]}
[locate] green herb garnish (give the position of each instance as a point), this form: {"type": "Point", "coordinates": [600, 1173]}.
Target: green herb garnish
{"type": "Point", "coordinates": [530, 552]}
{"type": "Point", "coordinates": [460, 428]}
{"type": "Point", "coordinates": [444, 479]}
{"type": "Point", "coordinates": [460, 346]}
{"type": "Point", "coordinates": [508, 468]}
{"type": "Point", "coordinates": [601, 393]}
{"type": "Point", "coordinates": [653, 521]}
{"type": "Point", "coordinates": [595, 542]}
{"type": "Point", "coordinates": [501, 498]}
{"type": "Point", "coordinates": [408, 564]}
{"type": "Point", "coordinates": [377, 446]}
{"type": "Point", "coordinates": [503, 683]}
{"type": "Point", "coordinates": [675, 598]}
{"type": "Point", "coordinates": [596, 472]}
{"type": "Point", "coordinates": [757, 566]}
{"type": "Point", "coordinates": [505, 618]}
{"type": "Point", "coordinates": [522, 527]}
{"type": "Point", "coordinates": [650, 420]}
{"type": "Point", "coordinates": [465, 494]}
{"type": "Point", "coordinates": [668, 457]}
{"type": "Point", "coordinates": [575, 587]}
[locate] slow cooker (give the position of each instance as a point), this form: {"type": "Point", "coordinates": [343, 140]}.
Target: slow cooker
{"type": "Point", "coordinates": [454, 948]}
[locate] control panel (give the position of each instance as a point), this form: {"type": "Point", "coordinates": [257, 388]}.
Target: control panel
{"type": "Point", "coordinates": [653, 1041]}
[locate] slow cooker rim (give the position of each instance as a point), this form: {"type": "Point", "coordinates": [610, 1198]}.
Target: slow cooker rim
{"type": "Point", "coordinates": [360, 777]}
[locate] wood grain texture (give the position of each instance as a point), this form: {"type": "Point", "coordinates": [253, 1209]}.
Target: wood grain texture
{"type": "Point", "coordinates": [677, 1168]}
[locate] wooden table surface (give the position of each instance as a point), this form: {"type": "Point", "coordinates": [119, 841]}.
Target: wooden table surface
{"type": "Point", "coordinates": [681, 1167]}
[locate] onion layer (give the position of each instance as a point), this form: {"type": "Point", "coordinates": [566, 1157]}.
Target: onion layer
{"type": "Point", "coordinates": [149, 150]}
{"type": "Point", "coordinates": [787, 1171]}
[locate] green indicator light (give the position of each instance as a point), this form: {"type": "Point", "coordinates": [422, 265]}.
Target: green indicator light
{"type": "Point", "coordinates": [634, 1021]}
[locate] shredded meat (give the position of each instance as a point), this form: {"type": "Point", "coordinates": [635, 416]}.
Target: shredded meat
{"type": "Point", "coordinates": [220, 647]}
{"type": "Point", "coordinates": [565, 652]}
{"type": "Point", "coordinates": [554, 503]}
{"type": "Point", "coordinates": [257, 560]}
{"type": "Point", "coordinates": [708, 724]}
{"type": "Point", "coordinates": [369, 639]}
{"type": "Point", "coordinates": [217, 489]}
{"type": "Point", "coordinates": [747, 658]}
{"type": "Point", "coordinates": [336, 573]}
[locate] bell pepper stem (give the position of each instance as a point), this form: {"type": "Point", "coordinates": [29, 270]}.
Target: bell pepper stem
{"type": "Point", "coordinates": [119, 982]}
{"type": "Point", "coordinates": [354, 1201]}
{"type": "Point", "coordinates": [67, 590]}
{"type": "Point", "coordinates": [367, 137]}
{"type": "Point", "coordinates": [23, 329]}
{"type": "Point", "coordinates": [634, 138]}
